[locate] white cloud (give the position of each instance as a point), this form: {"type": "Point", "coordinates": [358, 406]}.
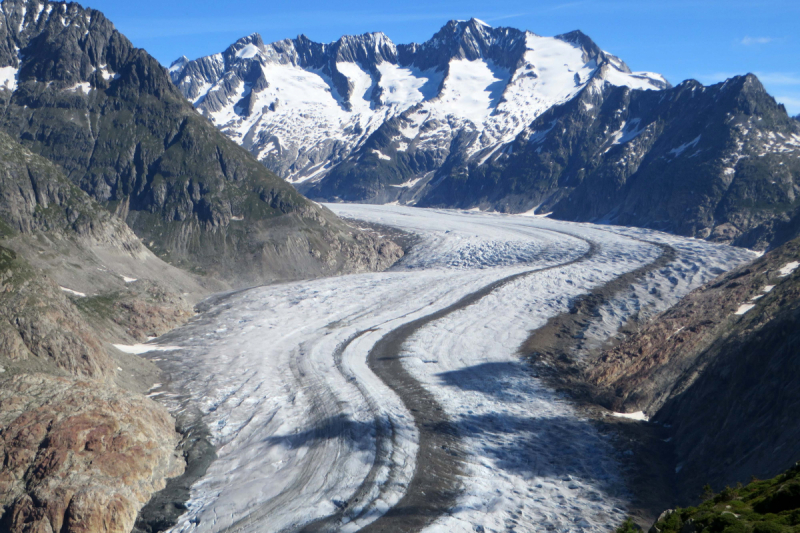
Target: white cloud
{"type": "Point", "coordinates": [747, 41]}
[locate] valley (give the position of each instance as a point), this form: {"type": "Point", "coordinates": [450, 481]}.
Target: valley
{"type": "Point", "coordinates": [314, 433]}
{"type": "Point", "coordinates": [487, 281]}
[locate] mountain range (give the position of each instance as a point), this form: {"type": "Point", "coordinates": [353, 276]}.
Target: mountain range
{"type": "Point", "coordinates": [506, 120]}
{"type": "Point", "coordinates": [304, 108]}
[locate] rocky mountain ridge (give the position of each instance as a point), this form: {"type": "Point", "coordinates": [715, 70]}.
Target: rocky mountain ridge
{"type": "Point", "coordinates": [719, 162]}
{"type": "Point", "coordinates": [306, 109]}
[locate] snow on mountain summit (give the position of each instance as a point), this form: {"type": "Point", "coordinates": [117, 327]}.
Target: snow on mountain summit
{"type": "Point", "coordinates": [304, 107]}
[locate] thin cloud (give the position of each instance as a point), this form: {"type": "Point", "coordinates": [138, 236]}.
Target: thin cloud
{"type": "Point", "coordinates": [749, 41]}
{"type": "Point", "coordinates": [506, 17]}
{"type": "Point", "coordinates": [715, 77]}
{"type": "Point", "coordinates": [779, 78]}
{"type": "Point", "coordinates": [792, 103]}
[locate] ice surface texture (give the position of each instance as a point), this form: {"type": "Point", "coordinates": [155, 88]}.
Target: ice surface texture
{"type": "Point", "coordinates": [280, 374]}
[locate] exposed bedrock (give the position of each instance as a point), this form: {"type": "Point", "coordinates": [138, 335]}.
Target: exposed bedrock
{"type": "Point", "coordinates": [59, 432]}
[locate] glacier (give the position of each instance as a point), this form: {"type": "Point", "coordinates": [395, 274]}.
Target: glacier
{"type": "Point", "coordinates": [303, 427]}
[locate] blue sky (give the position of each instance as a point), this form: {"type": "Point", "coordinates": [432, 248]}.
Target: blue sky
{"type": "Point", "coordinates": [708, 40]}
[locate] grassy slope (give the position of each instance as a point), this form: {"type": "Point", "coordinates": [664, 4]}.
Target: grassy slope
{"type": "Point", "coordinates": [761, 506]}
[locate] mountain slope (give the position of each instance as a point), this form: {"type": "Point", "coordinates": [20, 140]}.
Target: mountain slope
{"type": "Point", "coordinates": [718, 371]}
{"type": "Point", "coordinates": [41, 329]}
{"type": "Point", "coordinates": [719, 162]}
{"type": "Point", "coordinates": [375, 117]}
{"type": "Point", "coordinates": [59, 244]}
{"type": "Point", "coordinates": [80, 94]}
{"type": "Point", "coordinates": [79, 452]}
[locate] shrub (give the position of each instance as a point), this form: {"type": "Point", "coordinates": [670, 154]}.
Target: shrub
{"type": "Point", "coordinates": [628, 526]}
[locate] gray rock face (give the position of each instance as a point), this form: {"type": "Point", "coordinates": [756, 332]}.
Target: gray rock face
{"type": "Point", "coordinates": [108, 114]}
{"type": "Point", "coordinates": [36, 197]}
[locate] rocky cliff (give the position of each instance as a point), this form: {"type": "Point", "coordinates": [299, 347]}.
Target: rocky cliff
{"type": "Point", "coordinates": [81, 95]}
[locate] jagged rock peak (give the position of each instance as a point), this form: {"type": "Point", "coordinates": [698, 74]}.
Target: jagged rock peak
{"type": "Point", "coordinates": [491, 81]}
{"type": "Point", "coordinates": [246, 47]}
{"type": "Point", "coordinates": [178, 63]}
{"type": "Point", "coordinates": [373, 47]}
{"type": "Point", "coordinates": [72, 48]}
{"type": "Point", "coordinates": [368, 49]}
{"type": "Point", "coordinates": [21, 21]}
{"type": "Point", "coordinates": [470, 40]}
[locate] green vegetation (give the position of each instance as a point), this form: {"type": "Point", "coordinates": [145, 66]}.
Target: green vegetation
{"type": "Point", "coordinates": [771, 506]}
{"type": "Point", "coordinates": [628, 526]}
{"type": "Point", "coordinates": [14, 272]}
{"type": "Point", "coordinates": [101, 306]}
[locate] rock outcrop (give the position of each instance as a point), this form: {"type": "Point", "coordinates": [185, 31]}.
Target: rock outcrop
{"type": "Point", "coordinates": [78, 456]}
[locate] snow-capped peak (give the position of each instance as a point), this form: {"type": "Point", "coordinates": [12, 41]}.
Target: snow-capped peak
{"type": "Point", "coordinates": [304, 107]}
{"type": "Point", "coordinates": [178, 64]}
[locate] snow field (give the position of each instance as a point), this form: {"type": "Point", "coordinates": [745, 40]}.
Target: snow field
{"type": "Point", "coordinates": [279, 374]}
{"type": "Point", "coordinates": [313, 124]}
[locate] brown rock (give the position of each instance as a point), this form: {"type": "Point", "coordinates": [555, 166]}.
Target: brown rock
{"type": "Point", "coordinates": [37, 321]}
{"type": "Point", "coordinates": [80, 456]}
